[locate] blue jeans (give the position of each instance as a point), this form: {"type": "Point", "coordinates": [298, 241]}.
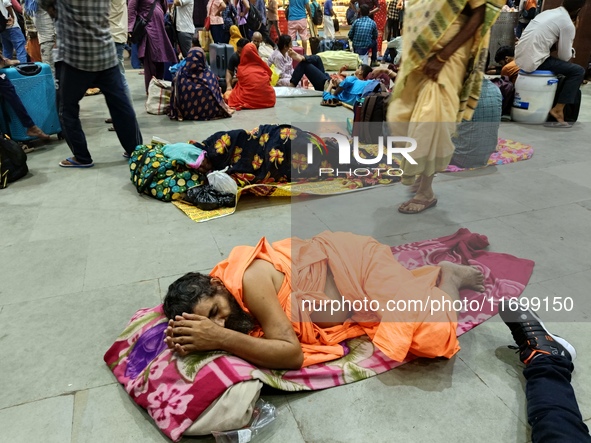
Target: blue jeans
{"type": "Point", "coordinates": [313, 68]}
{"type": "Point", "coordinates": [135, 60]}
{"type": "Point", "coordinates": [552, 409]}
{"type": "Point", "coordinates": [14, 40]}
{"type": "Point", "coordinates": [120, 48]}
{"type": "Point", "coordinates": [574, 76]}
{"type": "Point", "coordinates": [72, 84]}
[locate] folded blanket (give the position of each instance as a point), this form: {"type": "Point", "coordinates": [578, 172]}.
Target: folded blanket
{"type": "Point", "coordinates": [175, 391]}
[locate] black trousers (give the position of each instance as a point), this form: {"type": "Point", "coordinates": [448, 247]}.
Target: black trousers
{"type": "Point", "coordinates": [552, 409]}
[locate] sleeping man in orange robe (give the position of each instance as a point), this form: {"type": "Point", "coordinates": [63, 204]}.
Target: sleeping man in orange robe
{"type": "Point", "coordinates": [289, 304]}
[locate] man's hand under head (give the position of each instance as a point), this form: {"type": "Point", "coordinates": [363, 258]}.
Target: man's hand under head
{"type": "Point", "coordinates": [214, 324]}
{"type": "Point", "coordinates": [193, 333]}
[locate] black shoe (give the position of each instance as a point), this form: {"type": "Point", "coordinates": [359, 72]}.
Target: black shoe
{"type": "Point", "coordinates": [531, 335]}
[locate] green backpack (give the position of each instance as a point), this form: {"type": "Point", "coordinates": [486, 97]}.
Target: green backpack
{"type": "Point", "coordinates": [160, 177]}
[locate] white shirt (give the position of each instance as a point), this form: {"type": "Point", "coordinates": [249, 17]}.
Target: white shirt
{"type": "Point", "coordinates": [184, 17]}
{"type": "Point", "coordinates": [118, 20]}
{"type": "Point", "coordinates": [549, 27]}
{"type": "Point", "coordinates": [4, 10]}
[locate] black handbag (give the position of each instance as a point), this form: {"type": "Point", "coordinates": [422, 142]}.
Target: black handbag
{"type": "Point", "coordinates": [139, 27]}
{"type": "Point", "coordinates": [335, 23]}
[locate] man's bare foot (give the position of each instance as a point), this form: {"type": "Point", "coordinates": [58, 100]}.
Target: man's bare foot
{"type": "Point", "coordinates": [461, 276]}
{"type": "Point", "coordinates": [35, 131]}
{"type": "Point", "coordinates": [559, 116]}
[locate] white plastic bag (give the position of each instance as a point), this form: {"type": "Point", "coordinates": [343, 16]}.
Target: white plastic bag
{"type": "Point", "coordinates": [263, 415]}
{"type": "Point", "coordinates": [222, 182]}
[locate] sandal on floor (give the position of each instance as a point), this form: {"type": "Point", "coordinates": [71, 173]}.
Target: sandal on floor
{"type": "Point", "coordinates": [426, 205]}
{"type": "Point", "coordinates": [71, 163]}
{"type": "Point", "coordinates": [109, 120]}
{"type": "Point", "coordinates": [329, 103]}
{"type": "Point", "coordinates": [111, 128]}
{"type": "Point", "coordinates": [563, 125]}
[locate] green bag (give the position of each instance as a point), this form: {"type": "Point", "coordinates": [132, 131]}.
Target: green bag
{"type": "Point", "coordinates": [160, 177]}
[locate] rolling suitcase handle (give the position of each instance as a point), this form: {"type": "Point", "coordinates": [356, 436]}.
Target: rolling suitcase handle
{"type": "Point", "coordinates": [28, 69]}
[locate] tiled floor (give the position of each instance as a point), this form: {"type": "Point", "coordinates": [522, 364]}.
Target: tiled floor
{"type": "Point", "coordinates": [81, 251]}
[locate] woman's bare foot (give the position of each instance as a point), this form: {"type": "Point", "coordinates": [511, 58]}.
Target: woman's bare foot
{"type": "Point", "coordinates": [295, 56]}
{"type": "Point", "coordinates": [461, 276]}
{"type": "Point", "coordinates": [35, 131]}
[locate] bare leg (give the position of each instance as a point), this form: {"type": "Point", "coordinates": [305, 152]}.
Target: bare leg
{"type": "Point", "coordinates": [455, 277]}
{"type": "Point", "coordinates": [305, 46]}
{"type": "Point", "coordinates": [413, 189]}
{"type": "Point", "coordinates": [558, 112]}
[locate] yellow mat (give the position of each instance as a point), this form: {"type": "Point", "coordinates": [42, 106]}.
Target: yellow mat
{"type": "Point", "coordinates": [322, 188]}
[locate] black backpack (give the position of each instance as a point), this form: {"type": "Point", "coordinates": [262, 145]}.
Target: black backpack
{"type": "Point", "coordinates": [3, 22]}
{"type": "Point", "coordinates": [317, 17]}
{"type": "Point", "coordinates": [254, 20]}
{"type": "Point", "coordinates": [370, 114]}
{"type": "Point", "coordinates": [13, 161]}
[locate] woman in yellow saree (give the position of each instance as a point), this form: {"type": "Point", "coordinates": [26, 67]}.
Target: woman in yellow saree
{"type": "Point", "coordinates": [444, 51]}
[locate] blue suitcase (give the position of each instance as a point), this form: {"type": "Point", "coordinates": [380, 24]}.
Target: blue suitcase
{"type": "Point", "coordinates": [35, 86]}
{"type": "Point", "coordinates": [219, 56]}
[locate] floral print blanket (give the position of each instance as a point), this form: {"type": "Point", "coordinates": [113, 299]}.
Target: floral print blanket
{"type": "Point", "coordinates": [176, 390]}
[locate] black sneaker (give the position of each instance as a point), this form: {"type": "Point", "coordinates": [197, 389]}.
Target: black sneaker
{"type": "Point", "coordinates": [530, 334]}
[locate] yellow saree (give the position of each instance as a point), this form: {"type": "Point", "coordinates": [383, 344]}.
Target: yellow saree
{"type": "Point", "coordinates": [426, 110]}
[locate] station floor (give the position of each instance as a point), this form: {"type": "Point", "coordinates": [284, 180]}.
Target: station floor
{"type": "Point", "coordinates": [81, 251]}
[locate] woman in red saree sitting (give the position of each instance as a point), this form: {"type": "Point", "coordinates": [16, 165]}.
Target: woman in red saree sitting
{"type": "Point", "coordinates": [253, 90]}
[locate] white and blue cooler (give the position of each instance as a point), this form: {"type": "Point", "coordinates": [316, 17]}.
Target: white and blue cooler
{"type": "Point", "coordinates": [534, 96]}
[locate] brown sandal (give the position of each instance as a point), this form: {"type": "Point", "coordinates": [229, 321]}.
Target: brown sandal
{"type": "Point", "coordinates": [426, 205]}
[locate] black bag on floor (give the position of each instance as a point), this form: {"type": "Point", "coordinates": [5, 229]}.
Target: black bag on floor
{"type": "Point", "coordinates": [207, 199]}
{"type": "Point", "coordinates": [13, 161]}
{"type": "Point", "coordinates": [314, 45]}
{"type": "Point", "coordinates": [369, 114]}
{"type": "Point", "coordinates": [571, 110]}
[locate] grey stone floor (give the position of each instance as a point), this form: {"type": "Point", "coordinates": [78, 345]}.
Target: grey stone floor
{"type": "Point", "coordinates": [81, 251]}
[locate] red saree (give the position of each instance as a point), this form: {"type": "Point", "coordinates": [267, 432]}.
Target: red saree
{"type": "Point", "coordinates": [253, 90]}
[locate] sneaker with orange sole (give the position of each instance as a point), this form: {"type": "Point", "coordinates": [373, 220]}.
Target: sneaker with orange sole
{"type": "Point", "coordinates": [530, 334]}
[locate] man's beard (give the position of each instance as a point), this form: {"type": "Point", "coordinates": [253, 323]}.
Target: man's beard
{"type": "Point", "coordinates": [238, 320]}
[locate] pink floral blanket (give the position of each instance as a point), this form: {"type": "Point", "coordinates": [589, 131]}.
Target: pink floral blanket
{"type": "Point", "coordinates": [175, 391]}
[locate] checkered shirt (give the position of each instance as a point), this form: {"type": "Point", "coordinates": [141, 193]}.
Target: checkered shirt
{"type": "Point", "coordinates": [393, 13]}
{"type": "Point", "coordinates": [363, 32]}
{"type": "Point", "coordinates": [84, 38]}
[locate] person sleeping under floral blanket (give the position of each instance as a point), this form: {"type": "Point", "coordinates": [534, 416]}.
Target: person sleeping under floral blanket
{"type": "Point", "coordinates": [271, 154]}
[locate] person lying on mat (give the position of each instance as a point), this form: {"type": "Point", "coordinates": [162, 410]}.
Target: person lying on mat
{"type": "Point", "coordinates": [352, 87]}
{"type": "Point", "coordinates": [258, 306]}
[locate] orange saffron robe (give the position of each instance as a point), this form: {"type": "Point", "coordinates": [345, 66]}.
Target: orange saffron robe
{"type": "Point", "coordinates": [363, 269]}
